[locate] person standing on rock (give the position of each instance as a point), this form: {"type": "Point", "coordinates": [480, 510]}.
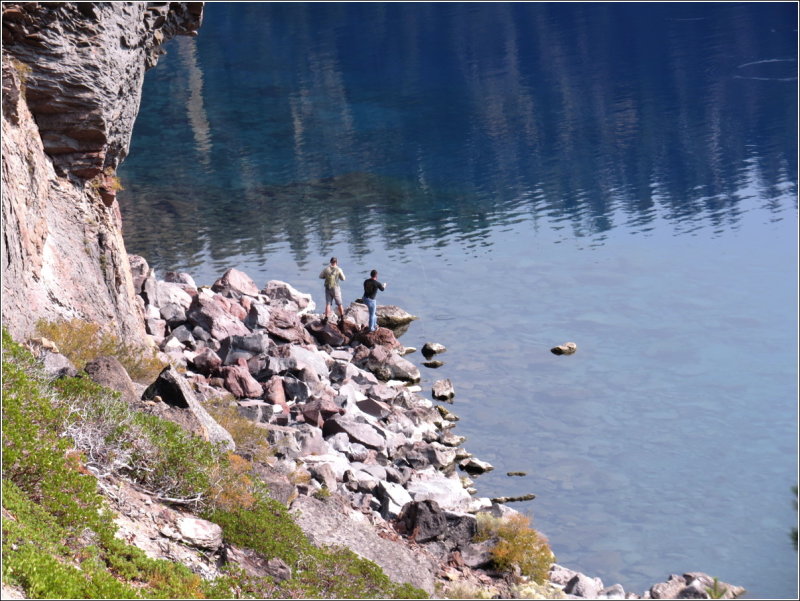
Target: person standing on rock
{"type": "Point", "coordinates": [332, 274]}
{"type": "Point", "coordinates": [371, 287]}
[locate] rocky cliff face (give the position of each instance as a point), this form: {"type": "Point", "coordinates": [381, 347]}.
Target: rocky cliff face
{"type": "Point", "coordinates": [72, 80]}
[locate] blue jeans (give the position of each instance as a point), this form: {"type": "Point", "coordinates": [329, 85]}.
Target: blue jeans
{"type": "Point", "coordinates": [372, 305]}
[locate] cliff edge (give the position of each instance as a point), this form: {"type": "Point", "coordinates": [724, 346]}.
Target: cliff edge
{"type": "Point", "coordinates": [72, 77]}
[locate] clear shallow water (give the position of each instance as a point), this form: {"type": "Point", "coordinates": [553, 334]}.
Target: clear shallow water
{"type": "Point", "coordinates": [523, 175]}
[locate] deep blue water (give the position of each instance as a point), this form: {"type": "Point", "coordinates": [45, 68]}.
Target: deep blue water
{"type": "Point", "coordinates": [620, 175]}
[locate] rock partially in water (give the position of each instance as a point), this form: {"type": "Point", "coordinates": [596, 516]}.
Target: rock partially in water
{"type": "Point", "coordinates": [568, 348]}
{"type": "Point", "coordinates": [443, 390]}
{"type": "Point", "coordinates": [429, 349]}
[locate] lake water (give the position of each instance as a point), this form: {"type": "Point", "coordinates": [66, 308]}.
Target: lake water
{"type": "Point", "coordinates": [623, 176]}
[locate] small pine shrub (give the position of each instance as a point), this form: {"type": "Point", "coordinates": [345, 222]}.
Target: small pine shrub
{"type": "Point", "coordinates": [82, 341]}
{"type": "Point", "coordinates": [518, 545]}
{"type": "Point", "coordinates": [234, 488]}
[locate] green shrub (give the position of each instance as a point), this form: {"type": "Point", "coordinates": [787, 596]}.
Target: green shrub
{"type": "Point", "coordinates": [518, 545]}
{"type": "Point", "coordinates": [58, 538]}
{"type": "Point", "coordinates": [81, 341]}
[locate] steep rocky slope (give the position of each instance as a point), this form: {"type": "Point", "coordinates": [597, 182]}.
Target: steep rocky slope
{"type": "Point", "coordinates": [72, 80]}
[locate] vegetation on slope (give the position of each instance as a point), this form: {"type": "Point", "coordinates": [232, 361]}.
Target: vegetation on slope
{"type": "Point", "coordinates": [58, 536]}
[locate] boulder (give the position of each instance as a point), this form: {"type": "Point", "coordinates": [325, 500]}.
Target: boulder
{"type": "Point", "coordinates": [168, 293]}
{"type": "Point", "coordinates": [286, 325]}
{"type": "Point", "coordinates": [285, 296]}
{"type": "Point", "coordinates": [333, 522]}
{"type": "Point", "coordinates": [429, 483]}
{"type": "Point", "coordinates": [358, 314]}
{"type": "Point", "coordinates": [365, 434]}
{"type": "Point", "coordinates": [173, 313]}
{"type": "Point", "coordinates": [477, 555]}
{"type": "Point", "coordinates": [182, 406]}
{"type": "Point", "coordinates": [380, 337]}
{"type": "Point", "coordinates": [668, 590]}
{"type": "Point", "coordinates": [472, 465]}
{"type": "Point", "coordinates": [325, 332]}
{"type": "Point", "coordinates": [234, 284]}
{"type": "Point", "coordinates": [612, 592]}
{"type": "Point", "coordinates": [199, 533]}
{"type": "Point", "coordinates": [239, 382]}
{"type": "Point", "coordinates": [183, 279]}
{"type": "Point", "coordinates": [213, 318]}
{"type": "Point", "coordinates": [429, 349]}
{"type": "Point", "coordinates": [234, 348]}
{"type": "Point", "coordinates": [109, 372]}
{"type": "Point", "coordinates": [443, 390]}
{"type": "Point", "coordinates": [255, 410]}
{"type": "Point", "coordinates": [461, 528]}
{"type": "Point", "coordinates": [568, 348]}
{"type": "Point", "coordinates": [257, 317]}
{"type": "Point", "coordinates": [257, 566]}
{"type": "Point", "coordinates": [57, 365]}
{"type": "Point", "coordinates": [140, 270]}
{"type": "Point", "coordinates": [390, 316]}
{"type": "Point", "coordinates": [393, 498]}
{"type": "Point", "coordinates": [354, 451]}
{"type": "Point", "coordinates": [317, 411]}
{"type": "Point", "coordinates": [387, 365]}
{"type": "Point", "coordinates": [206, 362]}
{"type": "Point", "coordinates": [374, 408]}
{"type": "Point", "coordinates": [581, 585]}
{"type": "Point", "coordinates": [422, 521]}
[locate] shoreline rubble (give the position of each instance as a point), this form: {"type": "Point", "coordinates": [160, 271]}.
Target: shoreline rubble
{"type": "Point", "coordinates": [341, 405]}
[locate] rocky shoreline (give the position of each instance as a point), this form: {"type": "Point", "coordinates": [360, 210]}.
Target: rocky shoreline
{"type": "Point", "coordinates": [362, 458]}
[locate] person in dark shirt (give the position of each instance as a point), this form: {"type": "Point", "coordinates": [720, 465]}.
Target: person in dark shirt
{"type": "Point", "coordinates": [371, 287]}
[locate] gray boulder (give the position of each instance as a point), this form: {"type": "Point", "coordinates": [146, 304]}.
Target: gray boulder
{"type": "Point", "coordinates": [365, 434]}
{"type": "Point", "coordinates": [285, 296]}
{"type": "Point", "coordinates": [182, 405]}
{"type": "Point", "coordinates": [257, 317]}
{"type": "Point", "coordinates": [109, 372]}
{"type": "Point", "coordinates": [388, 365]}
{"type": "Point", "coordinates": [168, 293]}
{"type": "Point", "coordinates": [57, 365]}
{"type": "Point", "coordinates": [199, 533]}
{"type": "Point", "coordinates": [286, 326]}
{"type": "Point", "coordinates": [390, 316]}
{"type": "Point", "coordinates": [333, 522]}
{"type": "Point", "coordinates": [210, 315]}
{"type": "Point", "coordinates": [423, 520]}
{"type": "Point", "coordinates": [443, 390]}
{"type": "Point", "coordinates": [235, 284]}
{"type": "Point", "coordinates": [581, 585]}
